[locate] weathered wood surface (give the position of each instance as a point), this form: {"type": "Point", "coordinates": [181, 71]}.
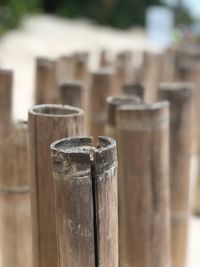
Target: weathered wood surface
{"type": "Point", "coordinates": [65, 68]}
{"type": "Point", "coordinates": [47, 123]}
{"type": "Point", "coordinates": [81, 66]}
{"type": "Point", "coordinates": [16, 215]}
{"type": "Point", "coordinates": [134, 89]}
{"type": "Point", "coordinates": [144, 221]}
{"type": "Point", "coordinates": [71, 93]}
{"type": "Point", "coordinates": [85, 179]}
{"type": "Point", "coordinates": [46, 82]}
{"type": "Point", "coordinates": [180, 96]}
{"type": "Point", "coordinates": [102, 86]}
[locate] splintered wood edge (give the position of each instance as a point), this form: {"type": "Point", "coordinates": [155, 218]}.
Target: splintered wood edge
{"type": "Point", "coordinates": [60, 110]}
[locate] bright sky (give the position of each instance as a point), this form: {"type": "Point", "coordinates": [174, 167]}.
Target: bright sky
{"type": "Point", "coordinates": [193, 5]}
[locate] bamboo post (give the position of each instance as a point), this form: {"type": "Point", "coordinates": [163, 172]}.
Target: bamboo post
{"type": "Point", "coordinates": [152, 76]}
{"type": "Point", "coordinates": [6, 171]}
{"type": "Point", "coordinates": [180, 97]}
{"type": "Point", "coordinates": [113, 102]}
{"type": "Point", "coordinates": [85, 179]}
{"type": "Point", "coordinates": [47, 123]}
{"type": "Point", "coordinates": [144, 221]}
{"type": "Point", "coordinates": [102, 86]}
{"type": "Point", "coordinates": [103, 60]}
{"type": "Point", "coordinates": [46, 83]}
{"type": "Point", "coordinates": [81, 66]}
{"type": "Point", "coordinates": [15, 200]}
{"type": "Point", "coordinates": [65, 68]}
{"type": "Point", "coordinates": [71, 93]}
{"type": "Point", "coordinates": [134, 89]}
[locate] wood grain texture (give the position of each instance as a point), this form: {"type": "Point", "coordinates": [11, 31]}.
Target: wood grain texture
{"type": "Point", "coordinates": [15, 205]}
{"type": "Point", "coordinates": [71, 93]}
{"type": "Point", "coordinates": [180, 97]}
{"type": "Point", "coordinates": [85, 178]}
{"type": "Point", "coordinates": [144, 221]}
{"type": "Point", "coordinates": [47, 123]}
{"type": "Point", "coordinates": [102, 86]}
{"type": "Point", "coordinates": [46, 82]}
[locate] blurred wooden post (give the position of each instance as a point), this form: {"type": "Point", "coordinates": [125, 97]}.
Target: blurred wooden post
{"type": "Point", "coordinates": [15, 211]}
{"type": "Point", "coordinates": [71, 93]}
{"type": "Point", "coordinates": [152, 76]}
{"type": "Point", "coordinates": [103, 60]}
{"type": "Point", "coordinates": [144, 222]}
{"type": "Point", "coordinates": [65, 68]}
{"type": "Point", "coordinates": [47, 123]}
{"type": "Point", "coordinates": [134, 89]}
{"type": "Point", "coordinates": [113, 102]}
{"type": "Point", "coordinates": [180, 97]}
{"type": "Point", "coordinates": [102, 86]}
{"type": "Point", "coordinates": [46, 83]}
{"type": "Point", "coordinates": [81, 66]}
{"type": "Point", "coordinates": [85, 179]}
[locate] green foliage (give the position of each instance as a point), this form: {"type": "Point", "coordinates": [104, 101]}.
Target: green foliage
{"type": "Point", "coordinates": [121, 14]}
{"type": "Point", "coordinates": [12, 10]}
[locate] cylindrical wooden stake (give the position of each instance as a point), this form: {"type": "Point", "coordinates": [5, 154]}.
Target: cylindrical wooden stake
{"type": "Point", "coordinates": [46, 84]}
{"type": "Point", "coordinates": [81, 66]}
{"type": "Point", "coordinates": [71, 93]}
{"type": "Point", "coordinates": [113, 102]}
{"type": "Point", "coordinates": [134, 89]}
{"type": "Point", "coordinates": [144, 221]}
{"type": "Point", "coordinates": [65, 68]}
{"type": "Point", "coordinates": [15, 201]}
{"type": "Point", "coordinates": [102, 86]}
{"type": "Point", "coordinates": [47, 123]}
{"type": "Point", "coordinates": [85, 179]}
{"type": "Point", "coordinates": [180, 97]}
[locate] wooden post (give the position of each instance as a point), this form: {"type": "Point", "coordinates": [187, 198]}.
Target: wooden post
{"type": "Point", "coordinates": [180, 97]}
{"type": "Point", "coordinates": [46, 83]}
{"type": "Point", "coordinates": [47, 123]}
{"type": "Point", "coordinates": [103, 60]}
{"type": "Point", "coordinates": [144, 221]}
{"type": "Point", "coordinates": [15, 205]}
{"type": "Point", "coordinates": [65, 68]}
{"type": "Point", "coordinates": [152, 76]}
{"type": "Point", "coordinates": [85, 179]}
{"type": "Point", "coordinates": [71, 93]}
{"type": "Point", "coordinates": [112, 104]}
{"type": "Point", "coordinates": [134, 89]}
{"type": "Point", "coordinates": [81, 66]}
{"type": "Point", "coordinates": [102, 86]}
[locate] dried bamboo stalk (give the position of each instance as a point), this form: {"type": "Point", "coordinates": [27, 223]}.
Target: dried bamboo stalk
{"type": "Point", "coordinates": [144, 221]}
{"type": "Point", "coordinates": [102, 86]}
{"type": "Point", "coordinates": [85, 179]}
{"type": "Point", "coordinates": [71, 93]}
{"type": "Point", "coordinates": [113, 102]}
{"type": "Point", "coordinates": [180, 97]}
{"type": "Point", "coordinates": [15, 201]}
{"type": "Point", "coordinates": [47, 123]}
{"type": "Point", "coordinates": [81, 66]}
{"type": "Point", "coordinates": [46, 82]}
{"type": "Point", "coordinates": [65, 68]}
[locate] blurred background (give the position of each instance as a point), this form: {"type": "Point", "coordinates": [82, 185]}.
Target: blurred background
{"type": "Point", "coordinates": [33, 28]}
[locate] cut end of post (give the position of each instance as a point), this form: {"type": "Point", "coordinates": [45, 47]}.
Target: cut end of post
{"type": "Point", "coordinates": [114, 102]}
{"type": "Point", "coordinates": [134, 89]}
{"type": "Point", "coordinates": [55, 110]}
{"type": "Point", "coordinates": [177, 88]}
{"type": "Point", "coordinates": [143, 116]}
{"type": "Point", "coordinates": [84, 153]}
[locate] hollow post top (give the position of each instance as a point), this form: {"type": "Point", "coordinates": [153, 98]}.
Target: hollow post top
{"type": "Point", "coordinates": [54, 110]}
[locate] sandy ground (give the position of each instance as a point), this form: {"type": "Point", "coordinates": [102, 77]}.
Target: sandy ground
{"type": "Point", "coordinates": [48, 36]}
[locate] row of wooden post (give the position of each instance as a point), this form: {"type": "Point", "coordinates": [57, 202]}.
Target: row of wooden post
{"type": "Point", "coordinates": [74, 197]}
